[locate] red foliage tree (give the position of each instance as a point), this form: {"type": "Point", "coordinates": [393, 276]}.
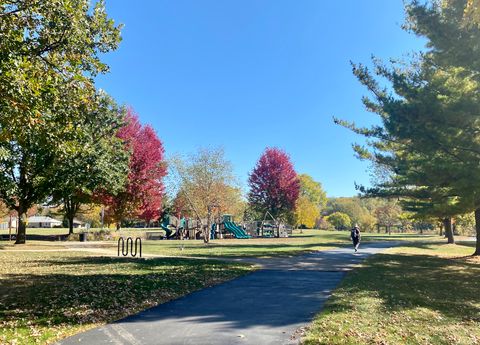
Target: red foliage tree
{"type": "Point", "coordinates": [144, 190]}
{"type": "Point", "coordinates": [274, 184]}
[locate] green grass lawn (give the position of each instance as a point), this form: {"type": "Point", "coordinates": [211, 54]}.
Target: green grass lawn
{"type": "Point", "coordinates": [307, 241]}
{"type": "Point", "coordinates": [258, 247]}
{"type": "Point", "coordinates": [64, 231]}
{"type": "Point", "coordinates": [45, 296]}
{"type": "Point", "coordinates": [423, 293]}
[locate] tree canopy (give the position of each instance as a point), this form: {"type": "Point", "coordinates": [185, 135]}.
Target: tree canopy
{"type": "Point", "coordinates": [206, 186]}
{"type": "Point", "coordinates": [339, 220]}
{"type": "Point", "coordinates": [141, 195]}
{"type": "Point", "coordinates": [49, 55]}
{"type": "Point", "coordinates": [311, 200]}
{"type": "Point", "coordinates": [428, 136]}
{"type": "Point", "coordinates": [274, 184]}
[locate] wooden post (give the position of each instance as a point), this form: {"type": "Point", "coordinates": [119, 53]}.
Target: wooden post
{"type": "Point", "coordinates": [10, 228]}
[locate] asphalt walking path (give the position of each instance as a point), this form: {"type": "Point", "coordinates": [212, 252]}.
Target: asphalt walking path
{"type": "Point", "coordinates": [268, 306]}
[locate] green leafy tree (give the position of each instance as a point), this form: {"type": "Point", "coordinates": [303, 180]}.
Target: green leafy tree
{"type": "Point", "coordinates": [310, 202]}
{"type": "Point", "coordinates": [306, 212]}
{"type": "Point", "coordinates": [388, 215]}
{"type": "Point", "coordinates": [95, 159]}
{"type": "Point", "coordinates": [49, 55]}
{"type": "Point", "coordinates": [339, 220]}
{"type": "Point", "coordinates": [312, 190]}
{"type": "Point", "coordinates": [465, 223]}
{"type": "Point", "coordinates": [352, 206]}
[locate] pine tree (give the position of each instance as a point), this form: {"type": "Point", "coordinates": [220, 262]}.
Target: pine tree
{"type": "Point", "coordinates": [429, 134]}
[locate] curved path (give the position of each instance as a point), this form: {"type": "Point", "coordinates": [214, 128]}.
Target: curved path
{"type": "Point", "coordinates": [269, 306]}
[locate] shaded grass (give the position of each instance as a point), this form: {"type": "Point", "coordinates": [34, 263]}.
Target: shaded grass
{"type": "Point", "coordinates": [46, 296]}
{"type": "Point", "coordinates": [423, 293]}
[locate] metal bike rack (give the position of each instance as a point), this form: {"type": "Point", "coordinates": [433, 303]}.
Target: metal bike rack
{"type": "Point", "coordinates": [128, 244]}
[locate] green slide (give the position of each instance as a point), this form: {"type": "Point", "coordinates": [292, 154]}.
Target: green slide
{"type": "Point", "coordinates": [237, 231]}
{"type": "Point", "coordinates": [168, 232]}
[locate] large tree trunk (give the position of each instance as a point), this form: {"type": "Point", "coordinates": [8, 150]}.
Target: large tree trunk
{"type": "Point", "coordinates": [449, 230]}
{"type": "Point", "coordinates": [206, 235]}
{"type": "Point", "coordinates": [70, 225]}
{"type": "Point", "coordinates": [10, 227]}
{"type": "Point", "coordinates": [206, 231]}
{"type": "Point", "coordinates": [477, 229]}
{"type": "Point", "coordinates": [22, 226]}
{"type": "Point", "coordinates": [71, 208]}
{"type": "Point", "coordinates": [23, 206]}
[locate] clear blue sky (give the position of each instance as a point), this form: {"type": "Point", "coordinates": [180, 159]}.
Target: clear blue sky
{"type": "Point", "coordinates": [246, 74]}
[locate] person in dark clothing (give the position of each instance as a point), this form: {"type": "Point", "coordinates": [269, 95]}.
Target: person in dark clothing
{"type": "Point", "coordinates": [355, 235]}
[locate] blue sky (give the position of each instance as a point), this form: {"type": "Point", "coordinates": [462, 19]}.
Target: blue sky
{"type": "Point", "coordinates": [247, 74]}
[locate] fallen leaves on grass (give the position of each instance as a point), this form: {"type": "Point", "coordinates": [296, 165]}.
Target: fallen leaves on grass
{"type": "Point", "coordinates": [46, 296]}
{"type": "Point", "coordinates": [408, 296]}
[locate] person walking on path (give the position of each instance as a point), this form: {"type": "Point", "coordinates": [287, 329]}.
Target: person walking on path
{"type": "Point", "coordinates": [355, 235]}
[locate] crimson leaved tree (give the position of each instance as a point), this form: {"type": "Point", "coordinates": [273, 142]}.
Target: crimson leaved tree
{"type": "Point", "coordinates": [144, 190]}
{"type": "Point", "coordinates": [274, 184]}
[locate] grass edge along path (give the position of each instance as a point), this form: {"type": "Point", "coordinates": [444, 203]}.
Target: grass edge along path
{"type": "Point", "coordinates": [420, 293]}
{"type": "Point", "coordinates": [46, 296]}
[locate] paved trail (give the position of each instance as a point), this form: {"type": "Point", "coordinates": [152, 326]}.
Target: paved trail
{"type": "Point", "coordinates": [268, 306]}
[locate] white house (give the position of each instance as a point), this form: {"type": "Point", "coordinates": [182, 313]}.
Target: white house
{"type": "Point", "coordinates": [43, 222]}
{"type": "Point", "coordinates": [78, 224]}
{"type": "Point", "coordinates": [8, 222]}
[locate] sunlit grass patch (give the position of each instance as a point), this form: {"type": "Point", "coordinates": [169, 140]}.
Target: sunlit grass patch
{"type": "Point", "coordinates": [419, 294]}
{"type": "Point", "coordinates": [307, 241]}
{"type": "Point", "coordinates": [300, 242]}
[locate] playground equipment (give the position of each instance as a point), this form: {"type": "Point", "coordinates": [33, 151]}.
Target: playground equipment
{"type": "Point", "coordinates": [271, 227]}
{"type": "Point", "coordinates": [191, 229]}
{"type": "Point", "coordinates": [184, 228]}
{"type": "Point", "coordinates": [268, 227]}
{"type": "Point", "coordinates": [225, 226]}
{"type": "Point", "coordinates": [170, 225]}
{"type": "Point", "coordinates": [125, 248]}
{"type": "Point", "coordinates": [237, 231]}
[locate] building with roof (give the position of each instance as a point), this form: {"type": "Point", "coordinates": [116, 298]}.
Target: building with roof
{"type": "Point", "coordinates": [43, 222]}
{"type": "Point", "coordinates": [78, 224]}
{"type": "Point", "coordinates": [9, 222]}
